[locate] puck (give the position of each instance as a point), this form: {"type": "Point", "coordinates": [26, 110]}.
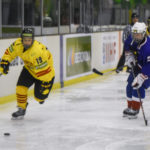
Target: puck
{"type": "Point", "coordinates": [7, 134]}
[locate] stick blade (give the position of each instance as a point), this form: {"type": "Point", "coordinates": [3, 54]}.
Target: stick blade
{"type": "Point", "coordinates": [146, 122]}
{"type": "Point", "coordinates": [96, 71]}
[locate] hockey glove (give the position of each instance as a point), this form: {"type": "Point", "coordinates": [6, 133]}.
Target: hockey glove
{"type": "Point", "coordinates": [138, 81]}
{"type": "Point", "coordinates": [129, 59]}
{"type": "Point", "coordinates": [4, 67]}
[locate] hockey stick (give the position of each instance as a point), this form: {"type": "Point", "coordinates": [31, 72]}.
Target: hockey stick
{"type": "Point", "coordinates": [101, 73]}
{"type": "Point", "coordinates": [139, 96]}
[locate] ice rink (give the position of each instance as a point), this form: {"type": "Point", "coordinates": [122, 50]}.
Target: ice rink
{"type": "Point", "coordinates": [84, 116]}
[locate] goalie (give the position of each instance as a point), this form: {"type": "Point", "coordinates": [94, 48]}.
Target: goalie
{"type": "Point", "coordinates": [38, 69]}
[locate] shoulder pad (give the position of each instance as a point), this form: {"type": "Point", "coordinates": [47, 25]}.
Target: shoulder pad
{"type": "Point", "coordinates": [18, 42]}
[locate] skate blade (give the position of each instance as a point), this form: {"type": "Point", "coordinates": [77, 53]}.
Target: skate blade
{"type": "Point", "coordinates": [17, 118]}
{"type": "Point", "coordinates": [132, 117]}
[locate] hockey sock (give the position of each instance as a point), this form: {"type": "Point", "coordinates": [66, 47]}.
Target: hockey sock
{"type": "Point", "coordinates": [21, 94]}
{"type": "Point", "coordinates": [129, 103]}
{"type": "Point", "coordinates": [136, 105]}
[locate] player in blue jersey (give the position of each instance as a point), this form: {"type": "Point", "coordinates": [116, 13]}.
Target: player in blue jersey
{"type": "Point", "coordinates": [138, 43]}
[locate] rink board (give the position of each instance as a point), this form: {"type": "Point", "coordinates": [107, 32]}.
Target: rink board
{"type": "Point", "coordinates": [74, 57]}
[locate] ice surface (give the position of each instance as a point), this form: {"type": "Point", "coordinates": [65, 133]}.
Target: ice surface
{"type": "Point", "coordinates": [85, 116]}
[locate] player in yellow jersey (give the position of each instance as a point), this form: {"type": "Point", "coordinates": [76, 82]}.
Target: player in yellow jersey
{"type": "Point", "coordinates": [38, 69]}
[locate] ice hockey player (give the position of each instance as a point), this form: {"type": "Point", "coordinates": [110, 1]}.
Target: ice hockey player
{"type": "Point", "coordinates": [126, 33]}
{"type": "Point", "coordinates": [140, 43]}
{"type": "Point", "coordinates": [38, 69]}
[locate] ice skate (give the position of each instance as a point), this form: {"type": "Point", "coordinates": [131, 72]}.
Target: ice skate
{"type": "Point", "coordinates": [18, 115]}
{"type": "Point", "coordinates": [133, 114]}
{"type": "Point", "coordinates": [126, 112]}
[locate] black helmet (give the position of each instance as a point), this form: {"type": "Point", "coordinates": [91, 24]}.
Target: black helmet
{"type": "Point", "coordinates": [134, 15]}
{"type": "Point", "coordinates": [27, 32]}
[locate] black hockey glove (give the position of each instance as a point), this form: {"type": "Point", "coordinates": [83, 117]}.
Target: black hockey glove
{"type": "Point", "coordinates": [4, 66]}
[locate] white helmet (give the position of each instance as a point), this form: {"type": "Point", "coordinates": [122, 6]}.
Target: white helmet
{"type": "Point", "coordinates": [139, 27]}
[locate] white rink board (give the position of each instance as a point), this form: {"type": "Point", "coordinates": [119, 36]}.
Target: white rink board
{"type": "Point", "coordinates": [8, 83]}
{"type": "Point", "coordinates": [107, 47]}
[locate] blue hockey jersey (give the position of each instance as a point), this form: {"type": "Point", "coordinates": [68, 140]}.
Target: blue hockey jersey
{"type": "Point", "coordinates": [130, 45]}
{"type": "Point", "coordinates": [143, 53]}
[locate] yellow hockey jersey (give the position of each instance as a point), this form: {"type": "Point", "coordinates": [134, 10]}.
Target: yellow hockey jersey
{"type": "Point", "coordinates": [37, 59]}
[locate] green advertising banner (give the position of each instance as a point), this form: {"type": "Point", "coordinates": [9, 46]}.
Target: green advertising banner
{"type": "Point", "coordinates": [78, 55]}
